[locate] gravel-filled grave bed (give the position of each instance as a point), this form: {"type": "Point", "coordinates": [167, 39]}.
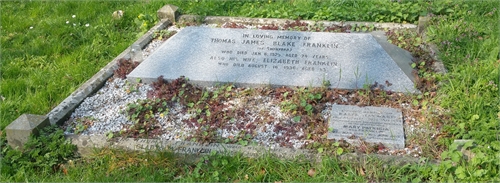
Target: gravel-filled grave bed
{"type": "Point", "coordinates": [272, 117]}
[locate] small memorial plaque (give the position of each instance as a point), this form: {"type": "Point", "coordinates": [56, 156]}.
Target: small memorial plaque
{"type": "Point", "coordinates": [250, 58]}
{"type": "Point", "coordinates": [372, 124]}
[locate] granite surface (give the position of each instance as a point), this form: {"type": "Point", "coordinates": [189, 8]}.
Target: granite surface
{"type": "Point", "coordinates": [250, 58]}
{"type": "Point", "coordinates": [371, 124]}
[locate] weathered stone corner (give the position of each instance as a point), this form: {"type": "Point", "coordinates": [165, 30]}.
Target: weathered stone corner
{"type": "Point", "coordinates": [423, 22]}
{"type": "Point", "coordinates": [168, 12]}
{"type": "Point", "coordinates": [19, 131]}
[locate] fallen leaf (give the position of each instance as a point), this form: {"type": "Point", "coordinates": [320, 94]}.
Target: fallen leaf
{"type": "Point", "coordinates": [64, 170]}
{"type": "Point", "coordinates": [361, 171]}
{"type": "Point", "coordinates": [277, 181]}
{"type": "Point", "coordinates": [246, 176]}
{"type": "Point", "coordinates": [311, 172]}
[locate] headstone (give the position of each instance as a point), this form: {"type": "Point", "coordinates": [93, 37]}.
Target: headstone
{"type": "Point", "coordinates": [19, 131]}
{"type": "Point", "coordinates": [251, 58]}
{"type": "Point", "coordinates": [371, 124]}
{"type": "Point", "coordinates": [168, 11]}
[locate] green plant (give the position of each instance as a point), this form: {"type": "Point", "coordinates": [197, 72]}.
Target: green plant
{"type": "Point", "coordinates": [145, 22]}
{"type": "Point", "coordinates": [80, 125]}
{"type": "Point", "coordinates": [163, 34]}
{"type": "Point", "coordinates": [46, 152]}
{"type": "Point", "coordinates": [142, 113]}
{"type": "Point", "coordinates": [300, 101]}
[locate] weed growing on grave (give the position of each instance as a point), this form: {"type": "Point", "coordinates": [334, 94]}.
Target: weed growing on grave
{"type": "Point", "coordinates": [298, 25]}
{"type": "Point", "coordinates": [142, 114]}
{"type": "Point", "coordinates": [125, 66]}
{"type": "Point", "coordinates": [233, 25]}
{"type": "Point", "coordinates": [80, 124]}
{"type": "Point", "coordinates": [425, 76]}
{"type": "Point", "coordinates": [210, 114]}
{"type": "Point", "coordinates": [46, 152]}
{"type": "Point", "coordinates": [301, 101]}
{"type": "Point", "coordinates": [163, 34]}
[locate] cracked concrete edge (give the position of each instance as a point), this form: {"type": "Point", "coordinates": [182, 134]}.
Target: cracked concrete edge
{"type": "Point", "coordinates": [65, 108]}
{"type": "Point", "coordinates": [263, 21]}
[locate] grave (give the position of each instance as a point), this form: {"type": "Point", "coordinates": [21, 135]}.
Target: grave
{"type": "Point", "coordinates": [210, 56]}
{"type": "Point", "coordinates": [252, 58]}
{"type": "Point", "coordinates": [371, 124]}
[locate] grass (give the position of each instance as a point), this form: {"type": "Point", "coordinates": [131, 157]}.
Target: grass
{"type": "Point", "coordinates": [47, 54]}
{"type": "Point", "coordinates": [42, 65]}
{"type": "Point", "coordinates": [119, 166]}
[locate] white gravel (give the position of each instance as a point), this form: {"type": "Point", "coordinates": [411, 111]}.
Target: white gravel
{"type": "Point", "coordinates": [105, 107]}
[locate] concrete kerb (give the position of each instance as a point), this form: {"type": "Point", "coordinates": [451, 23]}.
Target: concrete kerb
{"type": "Point", "coordinates": [87, 143]}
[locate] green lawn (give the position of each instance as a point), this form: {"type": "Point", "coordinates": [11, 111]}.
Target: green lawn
{"type": "Point", "coordinates": [49, 48]}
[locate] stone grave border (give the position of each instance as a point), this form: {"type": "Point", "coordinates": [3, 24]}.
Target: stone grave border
{"type": "Point", "coordinates": [167, 15]}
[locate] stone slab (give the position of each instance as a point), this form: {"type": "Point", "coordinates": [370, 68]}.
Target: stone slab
{"type": "Point", "coordinates": [372, 124]}
{"type": "Point", "coordinates": [251, 58]}
{"type": "Point", "coordinates": [19, 131]}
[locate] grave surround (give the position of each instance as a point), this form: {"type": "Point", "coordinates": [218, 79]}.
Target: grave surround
{"type": "Point", "coordinates": [252, 58]}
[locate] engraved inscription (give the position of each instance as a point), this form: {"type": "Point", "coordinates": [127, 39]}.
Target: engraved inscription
{"type": "Point", "coordinates": [276, 52]}
{"type": "Point", "coordinates": [187, 147]}
{"type": "Point", "coordinates": [373, 124]}
{"type": "Point", "coordinates": [365, 123]}
{"type": "Point", "coordinates": [251, 58]}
